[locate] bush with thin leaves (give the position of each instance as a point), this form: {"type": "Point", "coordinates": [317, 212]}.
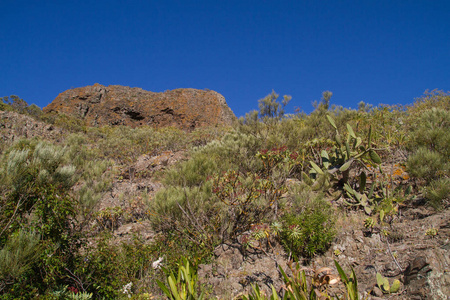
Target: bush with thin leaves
{"type": "Point", "coordinates": [35, 188]}
{"type": "Point", "coordinates": [308, 229]}
{"type": "Point", "coordinates": [18, 255]}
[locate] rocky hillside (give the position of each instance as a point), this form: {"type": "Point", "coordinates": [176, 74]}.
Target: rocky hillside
{"type": "Point", "coordinates": [15, 126]}
{"type": "Point", "coordinates": [119, 105]}
{"type": "Point", "coordinates": [245, 204]}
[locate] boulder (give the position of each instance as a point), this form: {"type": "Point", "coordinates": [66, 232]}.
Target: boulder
{"type": "Point", "coordinates": [186, 109]}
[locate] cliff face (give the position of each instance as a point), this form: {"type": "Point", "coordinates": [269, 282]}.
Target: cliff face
{"type": "Point", "coordinates": [187, 109]}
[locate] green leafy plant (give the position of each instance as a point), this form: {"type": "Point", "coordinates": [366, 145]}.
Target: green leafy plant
{"type": "Point", "coordinates": [184, 285]}
{"type": "Point", "coordinates": [350, 282]}
{"type": "Point", "coordinates": [109, 218]}
{"type": "Point", "coordinates": [301, 286]}
{"type": "Point", "coordinates": [18, 255]}
{"type": "Point", "coordinates": [191, 216]}
{"type": "Point", "coordinates": [309, 228]}
{"type": "Point", "coordinates": [249, 199]}
{"type": "Point", "coordinates": [367, 201]}
{"type": "Point", "coordinates": [369, 223]}
{"type": "Point", "coordinates": [437, 192]}
{"type": "Point", "coordinates": [383, 284]}
{"type": "Point", "coordinates": [105, 268]}
{"type": "Point", "coordinates": [36, 197]}
{"type": "Point", "coordinates": [70, 293]}
{"type": "Point", "coordinates": [430, 143]}
{"type": "Point", "coordinates": [336, 164]}
{"type": "Point", "coordinates": [432, 232]}
{"type": "Point", "coordinates": [257, 294]}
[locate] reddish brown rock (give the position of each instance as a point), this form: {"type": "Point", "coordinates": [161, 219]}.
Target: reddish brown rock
{"type": "Point", "coordinates": [99, 105]}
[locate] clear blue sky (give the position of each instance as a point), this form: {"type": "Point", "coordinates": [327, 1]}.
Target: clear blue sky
{"type": "Point", "coordinates": [374, 51]}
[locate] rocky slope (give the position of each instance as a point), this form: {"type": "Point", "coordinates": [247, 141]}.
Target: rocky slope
{"type": "Point", "coordinates": [407, 251]}
{"type": "Point", "coordinates": [418, 260]}
{"type": "Point", "coordinates": [119, 105]}
{"type": "Point", "coordinates": [15, 126]}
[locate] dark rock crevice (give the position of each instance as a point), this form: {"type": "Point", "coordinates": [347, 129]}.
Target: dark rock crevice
{"type": "Point", "coordinates": [134, 115]}
{"type": "Point", "coordinates": [168, 111]}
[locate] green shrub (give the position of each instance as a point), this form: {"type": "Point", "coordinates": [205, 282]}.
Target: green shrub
{"type": "Point", "coordinates": [29, 176]}
{"type": "Point", "coordinates": [437, 192]}
{"type": "Point", "coordinates": [192, 172]}
{"type": "Point", "coordinates": [427, 165]}
{"type": "Point", "coordinates": [247, 199]}
{"type": "Point", "coordinates": [430, 146]}
{"type": "Point", "coordinates": [435, 98]}
{"type": "Point", "coordinates": [67, 122]}
{"type": "Point", "coordinates": [204, 206]}
{"type": "Point", "coordinates": [170, 139]}
{"type": "Point", "coordinates": [35, 188]}
{"type": "Point", "coordinates": [431, 130]}
{"type": "Point", "coordinates": [190, 213]}
{"type": "Point", "coordinates": [236, 150]}
{"type": "Point", "coordinates": [94, 173]}
{"type": "Point", "coordinates": [203, 135]}
{"type": "Point", "coordinates": [308, 228]}
{"type": "Point", "coordinates": [18, 255]}
{"type": "Point", "coordinates": [14, 103]}
{"type": "Point", "coordinates": [106, 267]}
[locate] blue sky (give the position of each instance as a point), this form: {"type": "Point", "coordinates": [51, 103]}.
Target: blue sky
{"type": "Point", "coordinates": [374, 51]}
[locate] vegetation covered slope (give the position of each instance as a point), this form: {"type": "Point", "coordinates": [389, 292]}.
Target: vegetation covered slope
{"type": "Point", "coordinates": [272, 180]}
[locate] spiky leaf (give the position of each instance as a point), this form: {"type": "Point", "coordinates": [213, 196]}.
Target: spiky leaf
{"type": "Point", "coordinates": [163, 287]}
{"type": "Point", "coordinates": [349, 189]}
{"type": "Point", "coordinates": [173, 288]}
{"type": "Point", "coordinates": [341, 272]}
{"type": "Point", "coordinates": [352, 289]}
{"type": "Point", "coordinates": [325, 158]}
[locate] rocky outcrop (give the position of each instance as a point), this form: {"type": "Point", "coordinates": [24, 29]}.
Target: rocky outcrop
{"type": "Point", "coordinates": [187, 109]}
{"type": "Point", "coordinates": [15, 126]}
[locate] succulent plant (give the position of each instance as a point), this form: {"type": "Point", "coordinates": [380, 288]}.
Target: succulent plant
{"type": "Point", "coordinates": [336, 163]}
{"type": "Point", "coordinates": [383, 284]}
{"type": "Point", "coordinates": [432, 232]}
{"type": "Point", "coordinates": [369, 222]}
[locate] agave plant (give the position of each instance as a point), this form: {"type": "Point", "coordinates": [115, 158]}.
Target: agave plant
{"type": "Point", "coordinates": [184, 285]}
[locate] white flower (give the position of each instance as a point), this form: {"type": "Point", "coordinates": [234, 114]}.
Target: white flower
{"type": "Point", "coordinates": [127, 289]}
{"type": "Point", "coordinates": [157, 263]}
